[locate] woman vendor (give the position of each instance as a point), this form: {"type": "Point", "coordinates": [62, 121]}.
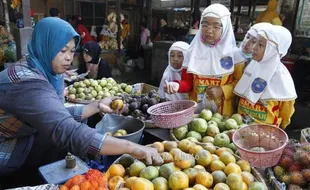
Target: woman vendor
{"type": "Point", "coordinates": [249, 41]}
{"type": "Point", "coordinates": [93, 63]}
{"type": "Point", "coordinates": [210, 66]}
{"type": "Point", "coordinates": [173, 71]}
{"type": "Point", "coordinates": [35, 125]}
{"type": "Point", "coordinates": [266, 89]}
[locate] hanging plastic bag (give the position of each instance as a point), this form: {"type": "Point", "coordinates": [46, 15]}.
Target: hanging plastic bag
{"type": "Point", "coordinates": [206, 103]}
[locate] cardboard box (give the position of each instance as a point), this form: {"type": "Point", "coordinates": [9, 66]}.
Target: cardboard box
{"type": "Point", "coordinates": [141, 88]}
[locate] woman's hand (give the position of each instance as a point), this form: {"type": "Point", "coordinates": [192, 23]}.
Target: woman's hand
{"type": "Point", "coordinates": [171, 87]}
{"type": "Point", "coordinates": [105, 106]}
{"type": "Point", "coordinates": [214, 92]}
{"type": "Point", "coordinates": [149, 154]}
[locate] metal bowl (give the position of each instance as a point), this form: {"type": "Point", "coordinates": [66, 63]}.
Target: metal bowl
{"type": "Point", "coordinates": [112, 123]}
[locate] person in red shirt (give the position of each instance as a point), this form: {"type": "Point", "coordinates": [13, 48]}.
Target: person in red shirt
{"type": "Point", "coordinates": [83, 32]}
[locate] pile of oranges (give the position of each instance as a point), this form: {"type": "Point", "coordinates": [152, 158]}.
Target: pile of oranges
{"type": "Point", "coordinates": [187, 167]}
{"type": "Point", "coordinates": [92, 180]}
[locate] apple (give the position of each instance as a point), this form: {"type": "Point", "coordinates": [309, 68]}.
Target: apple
{"type": "Point", "coordinates": [109, 86]}
{"type": "Point", "coordinates": [94, 93]}
{"type": "Point", "coordinates": [86, 82]}
{"type": "Point", "coordinates": [128, 89]}
{"type": "Point", "coordinates": [98, 88]}
{"type": "Point", "coordinates": [80, 90]}
{"type": "Point", "coordinates": [115, 88]}
{"type": "Point", "coordinates": [72, 90]}
{"type": "Point", "coordinates": [94, 83]}
{"type": "Point", "coordinates": [237, 117]}
{"type": "Point", "coordinates": [206, 114]}
{"type": "Point", "coordinates": [231, 124]}
{"type": "Point", "coordinates": [76, 84]}
{"type": "Point", "coordinates": [103, 82]}
{"type": "Point", "coordinates": [221, 140]}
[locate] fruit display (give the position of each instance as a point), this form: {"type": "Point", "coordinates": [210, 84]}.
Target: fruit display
{"type": "Point", "coordinates": [293, 168]}
{"type": "Point", "coordinates": [210, 128]}
{"type": "Point", "coordinates": [92, 180]}
{"type": "Point", "coordinates": [110, 44]}
{"type": "Point", "coordinates": [90, 89]}
{"type": "Point", "coordinates": [186, 166]}
{"type": "Point", "coordinates": [138, 104]}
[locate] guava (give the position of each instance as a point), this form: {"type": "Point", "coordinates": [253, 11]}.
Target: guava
{"type": "Point", "coordinates": [199, 125]}
{"type": "Point", "coordinates": [206, 114]}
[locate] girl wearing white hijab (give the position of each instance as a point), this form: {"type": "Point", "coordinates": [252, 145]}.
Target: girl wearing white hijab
{"type": "Point", "coordinates": [266, 89]}
{"type": "Point", "coordinates": [173, 71]}
{"type": "Point", "coordinates": [246, 47]}
{"type": "Point", "coordinates": [210, 67]}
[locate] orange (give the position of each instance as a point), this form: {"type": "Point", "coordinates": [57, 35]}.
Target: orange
{"type": "Point", "coordinates": [199, 187]}
{"type": "Point", "coordinates": [221, 150]}
{"type": "Point", "coordinates": [178, 180]}
{"type": "Point", "coordinates": [142, 184]}
{"type": "Point", "coordinates": [203, 157]}
{"type": "Point", "coordinates": [199, 168]}
{"type": "Point", "coordinates": [167, 157]}
{"type": "Point", "coordinates": [150, 173]}
{"type": "Point", "coordinates": [227, 158]}
{"type": "Point", "coordinates": [135, 168]}
{"type": "Point", "coordinates": [183, 160]}
{"type": "Point", "coordinates": [234, 181]}
{"type": "Point", "coordinates": [175, 151]}
{"type": "Point", "coordinates": [221, 186]}
{"type": "Point", "coordinates": [75, 187]}
{"type": "Point", "coordinates": [215, 157]}
{"type": "Point", "coordinates": [116, 170]}
{"type": "Point", "coordinates": [185, 145]}
{"type": "Point", "coordinates": [85, 185]}
{"type": "Point", "coordinates": [244, 165]}
{"type": "Point", "coordinates": [115, 182]}
{"type": "Point", "coordinates": [219, 177]}
{"type": "Point", "coordinates": [247, 177]}
{"type": "Point", "coordinates": [168, 145]}
{"type": "Point", "coordinates": [193, 150]}
{"type": "Point", "coordinates": [217, 165]}
{"type": "Point", "coordinates": [210, 147]}
{"type": "Point", "coordinates": [63, 187]}
{"type": "Point", "coordinates": [189, 188]}
{"type": "Point", "coordinates": [232, 168]}
{"type": "Point", "coordinates": [204, 178]}
{"type": "Point", "coordinates": [159, 146]}
{"type": "Point", "coordinates": [160, 183]}
{"type": "Point", "coordinates": [129, 181]}
{"type": "Point", "coordinates": [191, 174]}
{"type": "Point", "coordinates": [244, 186]}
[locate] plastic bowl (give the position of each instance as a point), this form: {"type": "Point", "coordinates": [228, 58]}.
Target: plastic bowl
{"type": "Point", "coordinates": [172, 114]}
{"type": "Point", "coordinates": [272, 139]}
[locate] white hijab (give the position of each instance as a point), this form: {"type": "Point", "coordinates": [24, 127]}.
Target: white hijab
{"type": "Point", "coordinates": [253, 32]}
{"type": "Point", "coordinates": [204, 60]}
{"type": "Point", "coordinates": [172, 74]}
{"type": "Point", "coordinates": [269, 79]}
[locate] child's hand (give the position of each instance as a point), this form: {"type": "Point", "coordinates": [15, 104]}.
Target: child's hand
{"type": "Point", "coordinates": [214, 92]}
{"type": "Point", "coordinates": [171, 87]}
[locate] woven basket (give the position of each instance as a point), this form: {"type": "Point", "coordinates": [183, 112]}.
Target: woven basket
{"type": "Point", "coordinates": [172, 114]}
{"type": "Point", "coordinates": [271, 138]}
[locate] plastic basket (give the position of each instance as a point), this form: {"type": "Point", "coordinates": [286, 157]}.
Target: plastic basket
{"type": "Point", "coordinates": [271, 138]}
{"type": "Point", "coordinates": [172, 114]}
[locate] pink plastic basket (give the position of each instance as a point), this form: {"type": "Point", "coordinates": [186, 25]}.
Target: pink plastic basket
{"type": "Point", "coordinates": [271, 138]}
{"type": "Point", "coordinates": [172, 114]}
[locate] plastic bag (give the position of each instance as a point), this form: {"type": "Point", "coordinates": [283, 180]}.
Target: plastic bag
{"type": "Point", "coordinates": [205, 103]}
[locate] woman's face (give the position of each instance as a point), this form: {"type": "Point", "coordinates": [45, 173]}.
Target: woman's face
{"type": "Point", "coordinates": [259, 48]}
{"type": "Point", "coordinates": [247, 47]}
{"type": "Point", "coordinates": [176, 59]}
{"type": "Point", "coordinates": [87, 58]}
{"type": "Point", "coordinates": [62, 61]}
{"type": "Point", "coordinates": [211, 29]}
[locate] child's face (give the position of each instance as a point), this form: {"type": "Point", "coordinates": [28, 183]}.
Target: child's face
{"type": "Point", "coordinates": [247, 47]}
{"type": "Point", "coordinates": [259, 48]}
{"type": "Point", "coordinates": [176, 59]}
{"type": "Point", "coordinates": [211, 29]}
